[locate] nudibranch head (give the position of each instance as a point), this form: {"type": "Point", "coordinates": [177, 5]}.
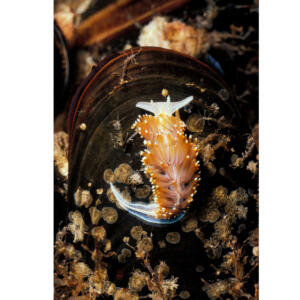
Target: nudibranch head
{"type": "Point", "coordinates": [170, 160]}
{"type": "Point", "coordinates": [168, 108]}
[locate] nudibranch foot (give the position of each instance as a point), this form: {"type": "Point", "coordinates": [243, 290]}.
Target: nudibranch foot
{"type": "Point", "coordinates": [152, 220]}
{"type": "Point", "coordinates": [143, 211]}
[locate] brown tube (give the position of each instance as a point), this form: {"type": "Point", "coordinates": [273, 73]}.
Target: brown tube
{"type": "Point", "coordinates": [119, 17]}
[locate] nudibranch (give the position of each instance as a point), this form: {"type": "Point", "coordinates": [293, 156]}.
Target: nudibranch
{"type": "Point", "coordinates": [170, 161]}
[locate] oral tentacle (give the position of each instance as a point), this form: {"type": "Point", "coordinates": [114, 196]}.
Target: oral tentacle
{"type": "Point", "coordinates": [167, 107]}
{"type": "Point", "coordinates": [180, 104]}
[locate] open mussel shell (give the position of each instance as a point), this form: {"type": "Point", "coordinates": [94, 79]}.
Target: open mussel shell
{"type": "Point", "coordinates": [61, 69]}
{"type": "Point", "coordinates": [101, 139]}
{"type": "Point", "coordinates": [110, 94]}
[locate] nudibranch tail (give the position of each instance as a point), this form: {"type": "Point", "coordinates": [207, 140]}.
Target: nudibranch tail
{"type": "Point", "coordinates": [147, 209]}
{"type": "Point", "coordinates": [143, 211]}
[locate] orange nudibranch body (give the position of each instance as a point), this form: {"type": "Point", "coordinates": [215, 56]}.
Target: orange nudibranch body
{"type": "Point", "coordinates": [169, 160]}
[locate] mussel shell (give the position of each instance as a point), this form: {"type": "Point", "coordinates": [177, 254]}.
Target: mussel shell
{"type": "Point", "coordinates": [61, 69]}
{"type": "Point", "coordinates": [110, 93]}
{"type": "Point", "coordinates": [151, 70]}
